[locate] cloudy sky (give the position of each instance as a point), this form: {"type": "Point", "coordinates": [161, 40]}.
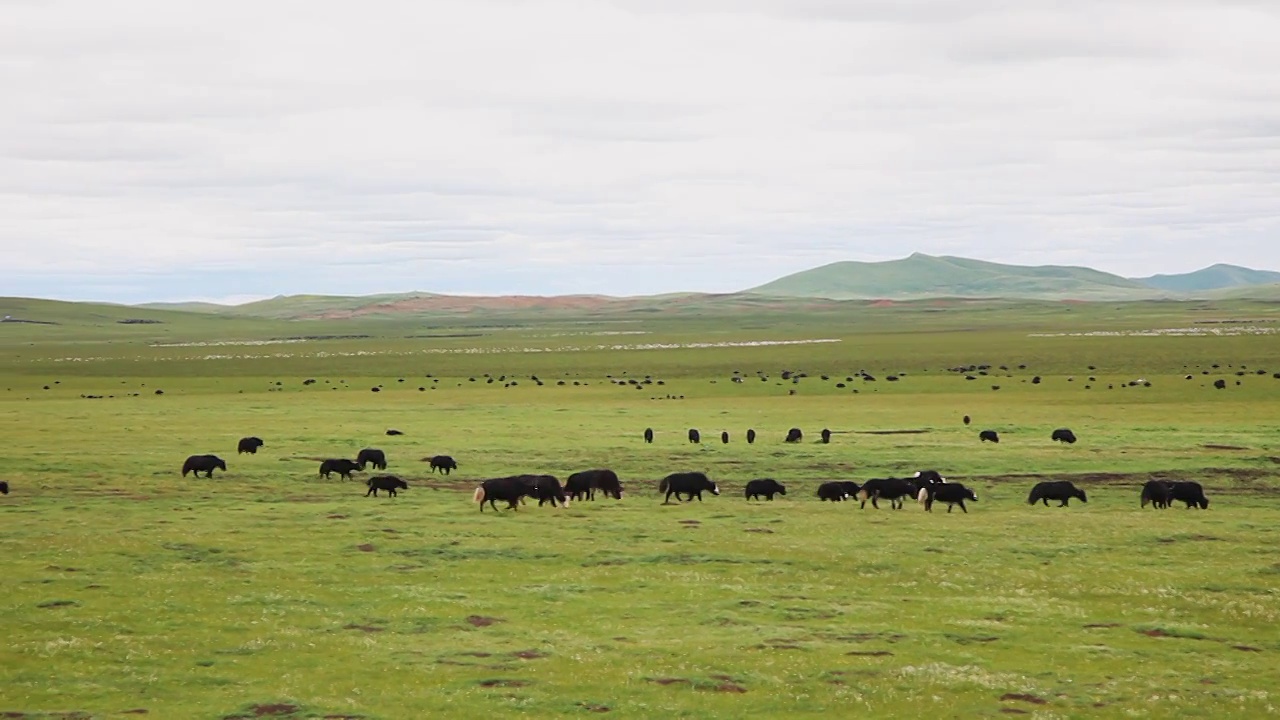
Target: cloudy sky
{"type": "Point", "coordinates": [175, 149]}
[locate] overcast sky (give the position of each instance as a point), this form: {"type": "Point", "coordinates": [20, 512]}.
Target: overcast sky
{"type": "Point", "coordinates": [174, 149]}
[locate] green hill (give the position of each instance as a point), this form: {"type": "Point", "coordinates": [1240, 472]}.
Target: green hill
{"type": "Point", "coordinates": [923, 276]}
{"type": "Point", "coordinates": [1214, 277]}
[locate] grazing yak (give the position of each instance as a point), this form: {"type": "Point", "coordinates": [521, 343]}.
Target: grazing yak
{"type": "Point", "coordinates": [928, 477]}
{"type": "Point", "coordinates": [385, 482]}
{"type": "Point", "coordinates": [249, 445]}
{"type": "Point", "coordinates": [1060, 490]}
{"type": "Point", "coordinates": [393, 431]}
{"type": "Point", "coordinates": [949, 493]}
{"type": "Point", "coordinates": [891, 489]}
{"type": "Point", "coordinates": [1190, 493]}
{"type": "Point", "coordinates": [826, 436]}
{"type": "Point", "coordinates": [372, 456]}
{"type": "Point", "coordinates": [1157, 492]}
{"type": "Point", "coordinates": [837, 491]}
{"type": "Point", "coordinates": [443, 463]}
{"type": "Point", "coordinates": [751, 436]}
{"type": "Point", "coordinates": [694, 437]}
{"type": "Point", "coordinates": [724, 437]}
{"type": "Point", "coordinates": [989, 436]}
{"type": "Point", "coordinates": [966, 420]}
{"type": "Point", "coordinates": [203, 464]}
{"type": "Point", "coordinates": [510, 489]}
{"type": "Point", "coordinates": [794, 435]}
{"type": "Point", "coordinates": [767, 487]}
{"type": "Point", "coordinates": [584, 484]}
{"type": "Point", "coordinates": [1063, 435]}
{"type": "Point", "coordinates": [342, 466]}
{"type": "Point", "coordinates": [648, 435]}
{"type": "Point", "coordinates": [4, 488]}
{"type": "Point", "coordinates": [687, 483]}
{"type": "Point", "coordinates": [547, 489]}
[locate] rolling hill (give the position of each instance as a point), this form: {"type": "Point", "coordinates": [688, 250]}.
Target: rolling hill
{"type": "Point", "coordinates": [1214, 277]}
{"type": "Point", "coordinates": [924, 276]}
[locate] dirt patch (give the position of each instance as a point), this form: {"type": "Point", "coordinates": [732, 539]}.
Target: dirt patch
{"type": "Point", "coordinates": [363, 628]}
{"type": "Point", "coordinates": [530, 654]}
{"type": "Point", "coordinates": [729, 687]}
{"type": "Point", "coordinates": [502, 682]}
{"type": "Point", "coordinates": [1014, 711]}
{"type": "Point", "coordinates": [336, 517]}
{"type": "Point", "coordinates": [669, 681]}
{"type": "Point", "coordinates": [1092, 626]}
{"type": "Point", "coordinates": [273, 710]}
{"type": "Point", "coordinates": [57, 604]}
{"type": "Point", "coordinates": [365, 547]}
{"type": "Point", "coordinates": [870, 653]}
{"type": "Point", "coordinates": [592, 707]}
{"type": "Point", "coordinates": [482, 621]}
{"type": "Point", "coordinates": [1246, 648]}
{"type": "Point", "coordinates": [1156, 633]}
{"type": "Point", "coordinates": [690, 522]}
{"type": "Point", "coordinates": [1024, 697]}
{"type": "Point", "coordinates": [135, 711]}
{"type": "Point", "coordinates": [1212, 446]}
{"type": "Point", "coordinates": [767, 531]}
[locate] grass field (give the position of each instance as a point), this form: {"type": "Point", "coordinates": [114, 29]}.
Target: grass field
{"type": "Point", "coordinates": [269, 592]}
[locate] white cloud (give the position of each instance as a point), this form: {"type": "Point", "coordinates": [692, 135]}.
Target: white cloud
{"type": "Point", "coordinates": [556, 146]}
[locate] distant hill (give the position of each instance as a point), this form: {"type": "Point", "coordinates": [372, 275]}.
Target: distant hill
{"type": "Point", "coordinates": [923, 276]}
{"type": "Point", "coordinates": [1214, 277]}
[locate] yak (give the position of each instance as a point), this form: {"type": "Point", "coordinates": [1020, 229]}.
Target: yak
{"type": "Point", "coordinates": [203, 464]}
{"type": "Point", "coordinates": [989, 436]}
{"type": "Point", "coordinates": [1157, 492]}
{"type": "Point", "coordinates": [826, 436]}
{"type": "Point", "coordinates": [1190, 493]}
{"type": "Point", "coordinates": [584, 484]}
{"type": "Point", "coordinates": [794, 435]}
{"type": "Point", "coordinates": [648, 435]}
{"type": "Point", "coordinates": [837, 491]}
{"type": "Point", "coordinates": [1060, 490]}
{"type": "Point", "coordinates": [510, 489]}
{"type": "Point", "coordinates": [767, 487]}
{"type": "Point", "coordinates": [949, 493]}
{"type": "Point", "coordinates": [1063, 435]}
{"type": "Point", "coordinates": [4, 488]}
{"type": "Point", "coordinates": [694, 437]}
{"type": "Point", "coordinates": [891, 489]}
{"type": "Point", "coordinates": [385, 482]}
{"type": "Point", "coordinates": [687, 483]}
{"type": "Point", "coordinates": [249, 445]}
{"type": "Point", "coordinates": [443, 463]}
{"type": "Point", "coordinates": [372, 456]}
{"type": "Point", "coordinates": [751, 436]}
{"type": "Point", "coordinates": [342, 466]}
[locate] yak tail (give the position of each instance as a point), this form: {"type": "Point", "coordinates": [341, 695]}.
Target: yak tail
{"type": "Point", "coordinates": [862, 495]}
{"type": "Point", "coordinates": [479, 495]}
{"type": "Point", "coordinates": [922, 495]}
{"type": "Point", "coordinates": [662, 486]}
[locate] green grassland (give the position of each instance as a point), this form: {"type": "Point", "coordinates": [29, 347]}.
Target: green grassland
{"type": "Point", "coordinates": [270, 592]}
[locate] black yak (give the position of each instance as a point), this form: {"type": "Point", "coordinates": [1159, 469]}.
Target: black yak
{"type": "Point", "coordinates": [342, 466]}
{"type": "Point", "coordinates": [1060, 490]}
{"type": "Point", "coordinates": [724, 437]}
{"type": "Point", "coordinates": [443, 463]}
{"type": "Point", "coordinates": [966, 420]}
{"type": "Point", "coordinates": [949, 493]}
{"type": "Point", "coordinates": [1190, 493]}
{"type": "Point", "coordinates": [891, 489]}
{"type": "Point", "coordinates": [547, 489]}
{"type": "Point", "coordinates": [203, 464]}
{"type": "Point", "coordinates": [751, 436]}
{"type": "Point", "coordinates": [837, 491]}
{"type": "Point", "coordinates": [385, 482]}
{"type": "Point", "coordinates": [694, 437]}
{"type": "Point", "coordinates": [794, 435]}
{"type": "Point", "coordinates": [4, 488]}
{"type": "Point", "coordinates": [1157, 492]}
{"type": "Point", "coordinates": [372, 456]}
{"type": "Point", "coordinates": [688, 483]}
{"type": "Point", "coordinates": [648, 435]}
{"type": "Point", "coordinates": [767, 487]}
{"type": "Point", "coordinates": [826, 436]}
{"type": "Point", "coordinates": [510, 489]}
{"type": "Point", "coordinates": [249, 445]}
{"type": "Point", "coordinates": [584, 484]}
{"type": "Point", "coordinates": [1063, 435]}
{"type": "Point", "coordinates": [989, 436]}
{"type": "Point", "coordinates": [393, 431]}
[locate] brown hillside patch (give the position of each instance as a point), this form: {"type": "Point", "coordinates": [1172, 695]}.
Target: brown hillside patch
{"type": "Point", "coordinates": [869, 653]}
{"type": "Point", "coordinates": [592, 707]}
{"type": "Point", "coordinates": [503, 682]}
{"type": "Point", "coordinates": [365, 548]}
{"type": "Point", "coordinates": [274, 709]}
{"type": "Point", "coordinates": [530, 654]}
{"type": "Point", "coordinates": [482, 621]}
{"type": "Point", "coordinates": [669, 681]}
{"type": "Point", "coordinates": [1092, 626]}
{"type": "Point", "coordinates": [363, 628]}
{"type": "Point", "coordinates": [1212, 446]}
{"type": "Point", "coordinates": [1246, 648]}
